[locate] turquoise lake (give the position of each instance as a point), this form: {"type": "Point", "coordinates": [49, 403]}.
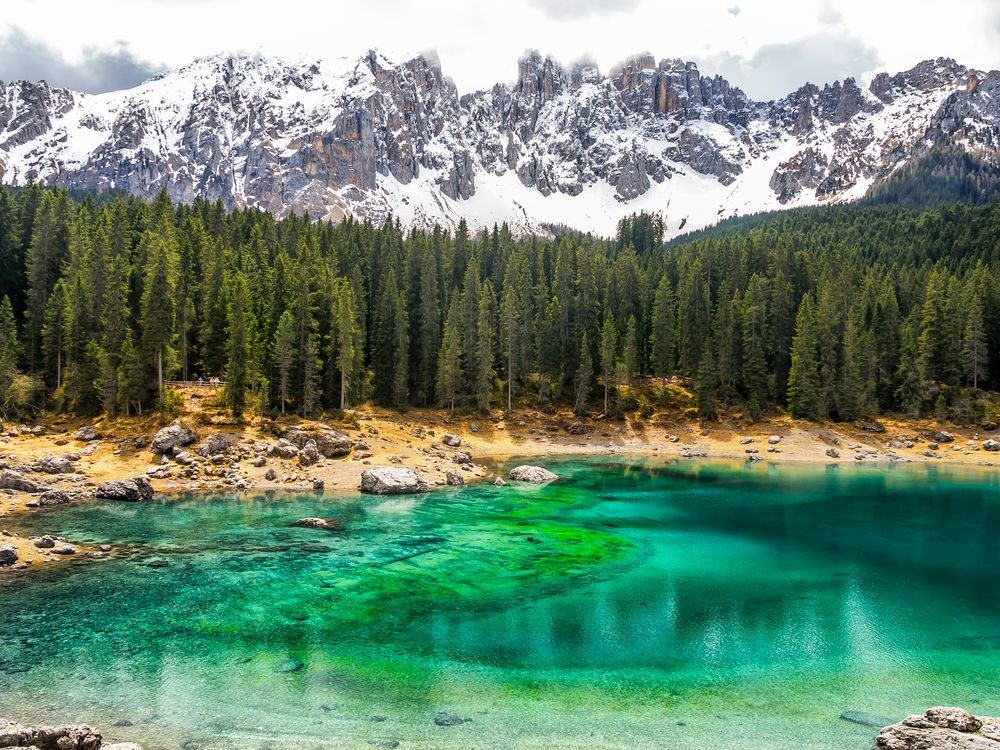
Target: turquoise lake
{"type": "Point", "coordinates": [632, 604]}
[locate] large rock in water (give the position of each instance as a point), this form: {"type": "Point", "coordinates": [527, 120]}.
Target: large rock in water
{"type": "Point", "coordinates": [126, 490]}
{"type": "Point", "coordinates": [941, 728]}
{"type": "Point", "coordinates": [12, 480]}
{"type": "Point", "coordinates": [393, 480]}
{"type": "Point", "coordinates": [171, 436]}
{"type": "Point", "coordinates": [532, 474]}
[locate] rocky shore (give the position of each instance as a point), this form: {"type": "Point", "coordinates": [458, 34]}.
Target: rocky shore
{"type": "Point", "coordinates": [69, 737]}
{"type": "Point", "coordinates": [64, 461]}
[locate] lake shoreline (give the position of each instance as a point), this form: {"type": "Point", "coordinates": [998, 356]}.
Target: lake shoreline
{"type": "Point", "coordinates": [430, 442]}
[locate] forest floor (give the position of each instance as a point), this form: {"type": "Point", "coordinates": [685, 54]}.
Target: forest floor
{"type": "Point", "coordinates": [414, 438]}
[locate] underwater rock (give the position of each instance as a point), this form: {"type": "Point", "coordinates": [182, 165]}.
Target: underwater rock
{"type": "Point", "coordinates": [865, 719]}
{"type": "Point", "coordinates": [445, 719]}
{"type": "Point", "coordinates": [392, 480]}
{"type": "Point", "coordinates": [292, 665]}
{"type": "Point", "coordinates": [312, 523]}
{"type": "Point", "coordinates": [532, 474]}
{"type": "Point", "coordinates": [941, 728]}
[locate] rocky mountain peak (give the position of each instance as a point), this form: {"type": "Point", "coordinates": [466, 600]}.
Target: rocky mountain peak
{"type": "Point", "coordinates": [375, 135]}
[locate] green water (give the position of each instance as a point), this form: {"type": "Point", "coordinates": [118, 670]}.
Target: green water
{"type": "Point", "coordinates": [639, 605]}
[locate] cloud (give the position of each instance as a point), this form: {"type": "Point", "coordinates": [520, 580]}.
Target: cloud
{"type": "Point", "coordinates": [734, 10]}
{"type": "Point", "coordinates": [570, 9]}
{"type": "Point", "coordinates": [778, 69]}
{"type": "Point", "coordinates": [98, 70]}
{"type": "Point", "coordinates": [828, 15]}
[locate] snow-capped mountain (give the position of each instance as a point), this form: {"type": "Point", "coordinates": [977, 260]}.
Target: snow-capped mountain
{"type": "Point", "coordinates": [372, 137]}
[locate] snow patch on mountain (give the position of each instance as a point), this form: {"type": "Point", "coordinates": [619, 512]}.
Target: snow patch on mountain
{"type": "Point", "coordinates": [387, 136]}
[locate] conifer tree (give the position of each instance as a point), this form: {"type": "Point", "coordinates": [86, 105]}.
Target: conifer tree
{"type": "Point", "coordinates": [974, 342]}
{"type": "Point", "coordinates": [284, 355]}
{"type": "Point", "coordinates": [584, 377]}
{"type": "Point", "coordinates": [803, 379]}
{"type": "Point", "coordinates": [630, 354]}
{"type": "Point", "coordinates": [158, 312]}
{"type": "Point", "coordinates": [483, 360]}
{"type": "Point", "coordinates": [449, 370]}
{"type": "Point", "coordinates": [9, 346]}
{"type": "Point", "coordinates": [238, 345]}
{"type": "Point", "coordinates": [54, 332]}
{"type": "Point", "coordinates": [663, 329]}
{"type": "Point", "coordinates": [706, 385]}
{"type": "Point", "coordinates": [609, 355]}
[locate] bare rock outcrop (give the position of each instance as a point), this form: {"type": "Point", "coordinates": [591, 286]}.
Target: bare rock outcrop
{"type": "Point", "coordinates": [941, 728]}
{"type": "Point", "coordinates": [173, 435]}
{"type": "Point", "coordinates": [126, 490]}
{"type": "Point", "coordinates": [68, 737]}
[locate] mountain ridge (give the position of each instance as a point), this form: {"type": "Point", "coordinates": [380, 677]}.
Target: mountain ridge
{"type": "Point", "coordinates": [375, 137]}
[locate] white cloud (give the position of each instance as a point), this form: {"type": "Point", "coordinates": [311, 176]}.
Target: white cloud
{"type": "Point", "coordinates": [564, 9]}
{"type": "Point", "coordinates": [778, 69]}
{"type": "Point", "coordinates": [479, 41]}
{"type": "Point", "coordinates": [97, 69]}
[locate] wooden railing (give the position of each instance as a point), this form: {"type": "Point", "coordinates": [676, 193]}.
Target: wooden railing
{"type": "Point", "coordinates": [195, 384]}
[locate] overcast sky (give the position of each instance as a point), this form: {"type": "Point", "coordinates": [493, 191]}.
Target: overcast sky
{"type": "Point", "coordinates": [768, 47]}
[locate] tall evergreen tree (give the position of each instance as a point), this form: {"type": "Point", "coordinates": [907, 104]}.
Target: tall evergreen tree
{"type": "Point", "coordinates": [803, 379]}
{"type": "Point", "coordinates": [238, 345]}
{"type": "Point", "coordinates": [609, 355]}
{"type": "Point", "coordinates": [449, 370]}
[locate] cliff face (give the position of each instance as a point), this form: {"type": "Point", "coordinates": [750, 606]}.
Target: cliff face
{"type": "Point", "coordinates": [372, 137]}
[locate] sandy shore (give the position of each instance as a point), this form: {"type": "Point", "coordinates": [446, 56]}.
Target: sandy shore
{"type": "Point", "coordinates": [415, 440]}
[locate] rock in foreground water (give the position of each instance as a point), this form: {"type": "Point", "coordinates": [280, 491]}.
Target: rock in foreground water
{"type": "Point", "coordinates": [392, 480]}
{"type": "Point", "coordinates": [532, 474]}
{"type": "Point", "coordinates": [70, 737]}
{"type": "Point", "coordinates": [941, 728]}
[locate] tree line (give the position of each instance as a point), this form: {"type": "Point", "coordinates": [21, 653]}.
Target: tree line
{"type": "Point", "coordinates": [831, 312]}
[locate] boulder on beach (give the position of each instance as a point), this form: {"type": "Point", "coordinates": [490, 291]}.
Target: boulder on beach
{"type": "Point", "coordinates": [454, 479]}
{"type": "Point", "coordinates": [532, 475]}
{"type": "Point", "coordinates": [452, 441]}
{"type": "Point", "coordinates": [392, 480]}
{"type": "Point", "coordinates": [56, 465]}
{"type": "Point", "coordinates": [86, 434]}
{"type": "Point", "coordinates": [991, 445]}
{"type": "Point", "coordinates": [332, 444]}
{"type": "Point", "coordinates": [49, 497]}
{"type": "Point", "coordinates": [941, 727]}
{"type": "Point", "coordinates": [126, 490]}
{"type": "Point", "coordinates": [8, 556]}
{"type": "Point", "coordinates": [212, 445]}
{"type": "Point", "coordinates": [13, 480]}
{"type": "Point", "coordinates": [171, 436]}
